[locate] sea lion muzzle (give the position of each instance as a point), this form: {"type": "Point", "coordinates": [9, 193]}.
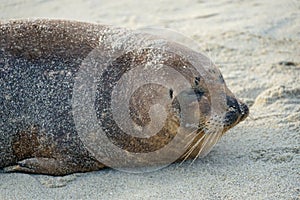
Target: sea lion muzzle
{"type": "Point", "coordinates": [237, 111]}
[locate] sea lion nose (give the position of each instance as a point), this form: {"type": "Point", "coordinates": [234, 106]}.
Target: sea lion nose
{"type": "Point", "coordinates": [237, 111]}
{"type": "Point", "coordinates": [244, 111]}
{"type": "Point", "coordinates": [233, 113]}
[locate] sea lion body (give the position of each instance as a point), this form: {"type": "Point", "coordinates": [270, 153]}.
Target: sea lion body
{"type": "Point", "coordinates": [39, 63]}
{"type": "Point", "coordinates": [37, 73]}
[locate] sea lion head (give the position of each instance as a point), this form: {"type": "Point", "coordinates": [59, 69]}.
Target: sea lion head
{"type": "Point", "coordinates": [211, 126]}
{"type": "Point", "coordinates": [208, 99]}
{"type": "Point", "coordinates": [159, 94]}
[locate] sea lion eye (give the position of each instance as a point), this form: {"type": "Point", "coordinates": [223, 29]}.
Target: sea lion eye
{"type": "Point", "coordinates": [171, 93]}
{"type": "Point", "coordinates": [199, 93]}
{"type": "Point", "coordinates": [197, 80]}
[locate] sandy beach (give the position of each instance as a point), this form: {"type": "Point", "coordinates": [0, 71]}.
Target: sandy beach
{"type": "Point", "coordinates": [256, 45]}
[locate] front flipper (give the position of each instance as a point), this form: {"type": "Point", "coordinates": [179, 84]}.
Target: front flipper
{"type": "Point", "coordinates": [52, 166]}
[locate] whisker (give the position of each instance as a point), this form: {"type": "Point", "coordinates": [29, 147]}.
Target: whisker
{"type": "Point", "coordinates": [217, 135]}
{"type": "Point", "coordinates": [209, 139]}
{"type": "Point", "coordinates": [210, 134]}
{"type": "Point", "coordinates": [200, 129]}
{"type": "Point", "coordinates": [206, 139]}
{"type": "Point", "coordinates": [208, 146]}
{"type": "Point", "coordinates": [211, 142]}
{"type": "Point", "coordinates": [215, 140]}
{"type": "Point", "coordinates": [188, 153]}
{"type": "Point", "coordinates": [190, 142]}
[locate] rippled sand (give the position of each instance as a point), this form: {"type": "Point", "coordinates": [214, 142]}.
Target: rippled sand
{"type": "Point", "coordinates": [256, 44]}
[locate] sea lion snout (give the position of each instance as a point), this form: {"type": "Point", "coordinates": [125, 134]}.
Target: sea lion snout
{"type": "Point", "coordinates": [237, 112]}
{"type": "Point", "coordinates": [245, 111]}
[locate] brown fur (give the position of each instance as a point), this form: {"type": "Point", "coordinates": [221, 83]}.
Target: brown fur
{"type": "Point", "coordinates": [49, 143]}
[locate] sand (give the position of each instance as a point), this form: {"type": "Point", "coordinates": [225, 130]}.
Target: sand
{"type": "Point", "coordinates": [256, 44]}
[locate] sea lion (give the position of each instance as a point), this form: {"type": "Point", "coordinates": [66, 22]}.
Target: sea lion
{"type": "Point", "coordinates": [51, 79]}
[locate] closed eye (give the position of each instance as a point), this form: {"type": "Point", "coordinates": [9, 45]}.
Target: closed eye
{"type": "Point", "coordinates": [197, 80]}
{"type": "Point", "coordinates": [171, 93]}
